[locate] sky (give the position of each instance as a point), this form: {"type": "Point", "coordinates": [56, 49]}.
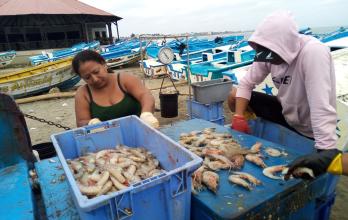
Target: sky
{"type": "Point", "coordinates": [185, 16]}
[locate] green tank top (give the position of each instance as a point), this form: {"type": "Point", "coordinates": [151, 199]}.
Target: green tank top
{"type": "Point", "coordinates": [127, 106]}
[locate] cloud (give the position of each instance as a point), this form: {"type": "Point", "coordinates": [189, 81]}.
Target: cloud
{"type": "Point", "coordinates": [180, 16]}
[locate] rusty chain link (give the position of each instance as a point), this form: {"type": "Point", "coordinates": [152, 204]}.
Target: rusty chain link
{"type": "Point", "coordinates": [47, 122]}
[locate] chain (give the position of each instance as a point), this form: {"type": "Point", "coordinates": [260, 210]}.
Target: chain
{"type": "Point", "coordinates": [47, 122]}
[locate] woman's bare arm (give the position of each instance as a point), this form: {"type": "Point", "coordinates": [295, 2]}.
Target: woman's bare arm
{"type": "Point", "coordinates": [135, 87]}
{"type": "Point", "coordinates": [82, 111]}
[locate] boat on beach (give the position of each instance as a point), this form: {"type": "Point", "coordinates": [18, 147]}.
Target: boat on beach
{"type": "Point", "coordinates": [39, 79]}
{"type": "Point", "coordinates": [336, 40]}
{"type": "Point", "coordinates": [7, 57]}
{"type": "Point", "coordinates": [118, 58]}
{"type": "Point", "coordinates": [152, 67]}
{"type": "Point", "coordinates": [64, 53]}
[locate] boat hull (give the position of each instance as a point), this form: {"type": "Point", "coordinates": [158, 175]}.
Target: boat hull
{"type": "Point", "coordinates": [41, 80]}
{"type": "Point", "coordinates": [123, 60]}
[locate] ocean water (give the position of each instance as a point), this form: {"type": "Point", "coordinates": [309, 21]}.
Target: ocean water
{"type": "Point", "coordinates": [246, 34]}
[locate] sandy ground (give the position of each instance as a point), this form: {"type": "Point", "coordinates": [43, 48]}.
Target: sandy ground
{"type": "Point", "coordinates": [62, 111]}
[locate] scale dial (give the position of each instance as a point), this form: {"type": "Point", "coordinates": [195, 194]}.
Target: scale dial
{"type": "Point", "coordinates": [166, 55]}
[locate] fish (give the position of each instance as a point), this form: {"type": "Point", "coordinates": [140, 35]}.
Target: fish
{"type": "Point", "coordinates": [208, 130]}
{"type": "Point", "coordinates": [256, 160]}
{"type": "Point", "coordinates": [218, 151]}
{"type": "Point", "coordinates": [106, 188]}
{"type": "Point", "coordinates": [300, 172]}
{"type": "Point", "coordinates": [256, 147]}
{"type": "Point", "coordinates": [274, 152]}
{"type": "Point", "coordinates": [113, 169]}
{"type": "Point", "coordinates": [237, 161]}
{"type": "Point", "coordinates": [89, 190]}
{"type": "Point", "coordinates": [211, 180]}
{"type": "Point", "coordinates": [270, 172]}
{"type": "Point", "coordinates": [236, 179]}
{"type": "Point", "coordinates": [197, 178]}
{"type": "Point", "coordinates": [248, 177]}
{"type": "Point", "coordinates": [217, 165]}
{"type": "Point", "coordinates": [221, 158]}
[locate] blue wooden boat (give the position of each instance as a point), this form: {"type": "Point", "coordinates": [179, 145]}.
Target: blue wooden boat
{"type": "Point", "coordinates": [337, 39]}
{"type": "Point", "coordinates": [115, 58]}
{"type": "Point", "coordinates": [195, 45]}
{"type": "Point", "coordinates": [200, 50]}
{"type": "Point", "coordinates": [7, 57]}
{"type": "Point", "coordinates": [123, 45]}
{"type": "Point", "coordinates": [211, 65]}
{"type": "Point", "coordinates": [213, 69]}
{"type": "Point", "coordinates": [61, 54]}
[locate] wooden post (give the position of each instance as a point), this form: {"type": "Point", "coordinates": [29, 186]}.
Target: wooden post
{"type": "Point", "coordinates": [87, 37]}
{"type": "Point", "coordinates": [118, 35]}
{"type": "Point", "coordinates": [7, 41]}
{"type": "Point", "coordinates": [111, 40]}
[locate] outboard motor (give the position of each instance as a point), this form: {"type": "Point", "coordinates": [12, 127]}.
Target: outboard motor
{"type": "Point", "coordinates": [15, 144]}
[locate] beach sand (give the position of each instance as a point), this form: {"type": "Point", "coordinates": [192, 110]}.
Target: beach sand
{"type": "Point", "coordinates": [62, 111]}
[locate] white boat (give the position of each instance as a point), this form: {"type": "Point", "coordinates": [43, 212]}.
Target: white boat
{"type": "Point", "coordinates": [337, 40]}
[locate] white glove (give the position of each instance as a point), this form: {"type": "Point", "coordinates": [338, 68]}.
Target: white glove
{"type": "Point", "coordinates": [149, 119]}
{"type": "Point", "coordinates": [94, 121]}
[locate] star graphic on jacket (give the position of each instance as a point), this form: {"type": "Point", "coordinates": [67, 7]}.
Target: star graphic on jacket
{"type": "Point", "coordinates": [268, 90]}
{"type": "Point", "coordinates": [338, 130]}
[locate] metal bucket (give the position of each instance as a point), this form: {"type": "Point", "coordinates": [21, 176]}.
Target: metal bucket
{"type": "Point", "coordinates": [169, 102]}
{"type": "Point", "coordinates": [169, 105]}
{"type": "Point", "coordinates": [46, 150]}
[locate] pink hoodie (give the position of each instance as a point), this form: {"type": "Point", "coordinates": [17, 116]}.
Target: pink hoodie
{"type": "Point", "coordinates": [306, 82]}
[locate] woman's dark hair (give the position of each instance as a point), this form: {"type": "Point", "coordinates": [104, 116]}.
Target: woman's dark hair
{"type": "Point", "coordinates": [84, 56]}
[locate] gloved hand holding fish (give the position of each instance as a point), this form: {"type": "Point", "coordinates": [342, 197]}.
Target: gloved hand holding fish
{"type": "Point", "coordinates": [279, 172]}
{"type": "Point", "coordinates": [320, 162]}
{"type": "Point", "coordinates": [111, 170]}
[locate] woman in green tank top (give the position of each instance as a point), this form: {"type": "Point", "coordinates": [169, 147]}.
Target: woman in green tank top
{"type": "Point", "coordinates": [107, 95]}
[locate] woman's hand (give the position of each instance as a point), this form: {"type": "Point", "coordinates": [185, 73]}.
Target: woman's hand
{"type": "Point", "coordinates": [149, 119]}
{"type": "Point", "coordinates": [94, 121]}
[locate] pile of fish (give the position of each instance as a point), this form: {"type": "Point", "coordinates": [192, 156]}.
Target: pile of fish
{"type": "Point", "coordinates": [111, 170]}
{"type": "Point", "coordinates": [220, 151]}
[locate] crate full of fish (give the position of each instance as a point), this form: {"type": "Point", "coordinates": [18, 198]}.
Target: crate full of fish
{"type": "Point", "coordinates": [243, 176]}
{"type": "Point", "coordinates": [124, 169]}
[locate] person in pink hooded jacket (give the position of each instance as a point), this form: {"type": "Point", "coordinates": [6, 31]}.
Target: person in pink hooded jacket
{"type": "Point", "coordinates": [302, 70]}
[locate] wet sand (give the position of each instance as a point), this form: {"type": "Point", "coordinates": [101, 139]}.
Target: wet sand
{"type": "Point", "coordinates": [62, 111]}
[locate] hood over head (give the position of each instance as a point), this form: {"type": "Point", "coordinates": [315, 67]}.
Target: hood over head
{"type": "Point", "coordinates": [278, 32]}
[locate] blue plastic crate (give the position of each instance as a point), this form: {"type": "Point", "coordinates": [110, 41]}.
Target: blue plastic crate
{"type": "Point", "coordinates": [167, 196]}
{"type": "Point", "coordinates": [294, 199]}
{"type": "Point", "coordinates": [278, 134]}
{"type": "Point", "coordinates": [219, 121]}
{"type": "Point", "coordinates": [207, 112]}
{"type": "Point", "coordinates": [323, 207]}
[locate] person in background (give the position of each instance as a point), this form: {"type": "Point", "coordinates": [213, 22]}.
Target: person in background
{"type": "Point", "coordinates": [107, 95]}
{"type": "Point", "coordinates": [303, 72]}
